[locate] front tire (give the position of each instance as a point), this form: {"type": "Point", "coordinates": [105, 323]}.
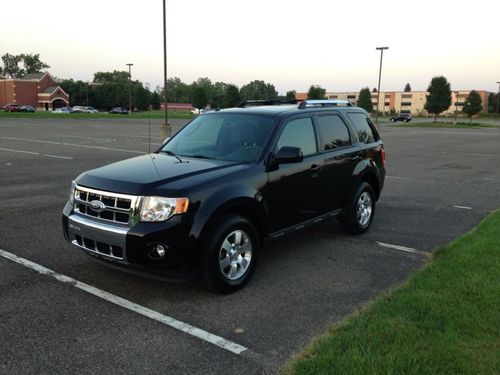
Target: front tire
{"type": "Point", "coordinates": [359, 215]}
{"type": "Point", "coordinates": [230, 254]}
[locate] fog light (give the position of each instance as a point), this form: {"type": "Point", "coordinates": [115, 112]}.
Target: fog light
{"type": "Point", "coordinates": [160, 250]}
{"type": "Point", "coordinates": [157, 251]}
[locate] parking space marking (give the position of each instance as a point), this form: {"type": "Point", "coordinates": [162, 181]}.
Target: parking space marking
{"type": "Point", "coordinates": [122, 302]}
{"type": "Point", "coordinates": [463, 207]}
{"type": "Point", "coordinates": [401, 248]}
{"type": "Point", "coordinates": [73, 145]}
{"type": "Point", "coordinates": [36, 153]}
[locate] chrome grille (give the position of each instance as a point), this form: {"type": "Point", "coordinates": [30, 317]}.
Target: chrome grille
{"type": "Point", "coordinates": [107, 206]}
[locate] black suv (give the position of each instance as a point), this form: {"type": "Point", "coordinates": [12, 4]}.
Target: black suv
{"type": "Point", "coordinates": [406, 117]}
{"type": "Point", "coordinates": [210, 196]}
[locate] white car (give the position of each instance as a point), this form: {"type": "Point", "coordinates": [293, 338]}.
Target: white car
{"type": "Point", "coordinates": [196, 111]}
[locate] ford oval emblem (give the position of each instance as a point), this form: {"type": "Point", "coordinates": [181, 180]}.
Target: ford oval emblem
{"type": "Point", "coordinates": [97, 206]}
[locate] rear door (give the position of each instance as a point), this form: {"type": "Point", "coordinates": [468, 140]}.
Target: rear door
{"type": "Point", "coordinates": [341, 155]}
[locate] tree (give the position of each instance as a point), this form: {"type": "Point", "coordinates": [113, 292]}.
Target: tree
{"type": "Point", "coordinates": [200, 99]}
{"type": "Point", "coordinates": [407, 87]}
{"type": "Point", "coordinates": [365, 100]}
{"type": "Point", "coordinates": [493, 102]}
{"type": "Point", "coordinates": [32, 63]}
{"type": "Point", "coordinates": [472, 104]}
{"type": "Point", "coordinates": [114, 76]}
{"type": "Point", "coordinates": [439, 98]}
{"type": "Point", "coordinates": [316, 92]}
{"type": "Point", "coordinates": [155, 100]}
{"type": "Point", "coordinates": [11, 66]}
{"type": "Point", "coordinates": [258, 90]}
{"type": "Point", "coordinates": [178, 91]}
{"type": "Point", "coordinates": [291, 95]}
{"type": "Point", "coordinates": [374, 89]}
{"type": "Point", "coordinates": [231, 96]}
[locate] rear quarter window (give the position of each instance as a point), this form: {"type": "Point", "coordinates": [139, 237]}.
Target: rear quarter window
{"type": "Point", "coordinates": [364, 128]}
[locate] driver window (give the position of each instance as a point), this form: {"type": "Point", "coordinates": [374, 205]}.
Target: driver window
{"type": "Point", "coordinates": [299, 133]}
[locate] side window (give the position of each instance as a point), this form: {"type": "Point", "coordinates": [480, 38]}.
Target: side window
{"type": "Point", "coordinates": [299, 133]}
{"type": "Point", "coordinates": [365, 129]}
{"type": "Point", "coordinates": [334, 132]}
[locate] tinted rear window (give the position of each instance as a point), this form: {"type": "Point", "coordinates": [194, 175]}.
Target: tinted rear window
{"type": "Point", "coordinates": [365, 130]}
{"type": "Point", "coordinates": [334, 132]}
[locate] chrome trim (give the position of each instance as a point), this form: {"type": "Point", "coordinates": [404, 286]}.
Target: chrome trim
{"type": "Point", "coordinates": [99, 226]}
{"type": "Point", "coordinates": [93, 251]}
{"type": "Point", "coordinates": [133, 211]}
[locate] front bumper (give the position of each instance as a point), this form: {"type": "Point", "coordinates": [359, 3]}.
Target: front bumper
{"type": "Point", "coordinates": [126, 247]}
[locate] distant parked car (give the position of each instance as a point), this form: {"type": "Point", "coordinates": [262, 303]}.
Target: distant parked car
{"type": "Point", "coordinates": [27, 108]}
{"type": "Point", "coordinates": [63, 110]}
{"type": "Point", "coordinates": [119, 111]}
{"type": "Point", "coordinates": [406, 117]}
{"type": "Point", "coordinates": [89, 109]}
{"type": "Point", "coordinates": [196, 111]}
{"type": "Point", "coordinates": [12, 108]}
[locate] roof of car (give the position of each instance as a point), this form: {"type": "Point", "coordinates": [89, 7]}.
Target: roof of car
{"type": "Point", "coordinates": [267, 107]}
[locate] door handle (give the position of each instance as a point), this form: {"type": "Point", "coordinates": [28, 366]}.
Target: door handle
{"type": "Point", "coordinates": [355, 158]}
{"type": "Point", "coordinates": [315, 167]}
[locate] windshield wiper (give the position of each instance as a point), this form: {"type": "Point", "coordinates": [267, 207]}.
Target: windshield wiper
{"type": "Point", "coordinates": [199, 156]}
{"type": "Point", "coordinates": [168, 152]}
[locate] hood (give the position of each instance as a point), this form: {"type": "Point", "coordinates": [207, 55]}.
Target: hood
{"type": "Point", "coordinates": [149, 174]}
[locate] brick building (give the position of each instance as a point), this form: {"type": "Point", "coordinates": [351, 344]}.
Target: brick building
{"type": "Point", "coordinates": [39, 90]}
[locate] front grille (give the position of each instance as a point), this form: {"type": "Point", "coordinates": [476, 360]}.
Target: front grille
{"type": "Point", "coordinates": [104, 205]}
{"type": "Point", "coordinates": [99, 247]}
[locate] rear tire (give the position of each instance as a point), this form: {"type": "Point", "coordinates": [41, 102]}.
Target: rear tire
{"type": "Point", "coordinates": [230, 254]}
{"type": "Point", "coordinates": [359, 215]}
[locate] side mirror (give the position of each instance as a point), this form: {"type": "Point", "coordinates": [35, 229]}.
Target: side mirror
{"type": "Point", "coordinates": [287, 154]}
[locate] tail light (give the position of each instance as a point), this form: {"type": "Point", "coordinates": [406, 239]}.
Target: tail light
{"type": "Point", "coordinates": [382, 155]}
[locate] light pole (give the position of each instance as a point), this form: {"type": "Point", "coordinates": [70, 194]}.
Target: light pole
{"type": "Point", "coordinates": [498, 99]}
{"type": "Point", "coordinates": [165, 130]}
{"type": "Point", "coordinates": [130, 86]}
{"type": "Point", "coordinates": [379, 77]}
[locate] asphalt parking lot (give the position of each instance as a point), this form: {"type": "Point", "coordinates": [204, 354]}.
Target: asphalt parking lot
{"type": "Point", "coordinates": [440, 183]}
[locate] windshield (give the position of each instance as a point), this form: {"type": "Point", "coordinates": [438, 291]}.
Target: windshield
{"type": "Point", "coordinates": [223, 136]}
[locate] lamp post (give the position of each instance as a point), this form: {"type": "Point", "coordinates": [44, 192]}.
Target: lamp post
{"type": "Point", "coordinates": [498, 99]}
{"type": "Point", "coordinates": [129, 86]}
{"type": "Point", "coordinates": [379, 78]}
{"type": "Point", "coordinates": [165, 129]}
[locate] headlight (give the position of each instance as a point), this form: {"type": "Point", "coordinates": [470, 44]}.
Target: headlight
{"type": "Point", "coordinates": [72, 192]}
{"type": "Point", "coordinates": [161, 209]}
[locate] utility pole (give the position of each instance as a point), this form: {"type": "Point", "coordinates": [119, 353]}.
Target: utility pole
{"type": "Point", "coordinates": [130, 87]}
{"type": "Point", "coordinates": [498, 99]}
{"type": "Point", "coordinates": [379, 78]}
{"type": "Point", "coordinates": [165, 130]}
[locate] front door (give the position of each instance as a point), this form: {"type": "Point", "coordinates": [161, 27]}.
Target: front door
{"type": "Point", "coordinates": [292, 191]}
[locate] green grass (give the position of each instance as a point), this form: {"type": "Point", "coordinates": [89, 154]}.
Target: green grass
{"type": "Point", "coordinates": [444, 320]}
{"type": "Point", "coordinates": [458, 125]}
{"type": "Point", "coordinates": [102, 115]}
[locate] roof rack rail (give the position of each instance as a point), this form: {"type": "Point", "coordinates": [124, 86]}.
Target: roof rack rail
{"type": "Point", "coordinates": [255, 103]}
{"type": "Point", "coordinates": [324, 103]}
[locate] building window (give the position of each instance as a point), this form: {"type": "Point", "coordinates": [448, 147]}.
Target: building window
{"type": "Point", "coordinates": [388, 96]}
{"type": "Point", "coordinates": [407, 104]}
{"type": "Point", "coordinates": [387, 104]}
{"type": "Point", "coordinates": [351, 96]}
{"type": "Point", "coordinates": [333, 96]}
{"type": "Point", "coordinates": [406, 96]}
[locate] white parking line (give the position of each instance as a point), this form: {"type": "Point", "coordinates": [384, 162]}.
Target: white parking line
{"type": "Point", "coordinates": [36, 153]}
{"type": "Point", "coordinates": [167, 320]}
{"type": "Point", "coordinates": [72, 145]}
{"type": "Point", "coordinates": [396, 247]}
{"type": "Point", "coordinates": [463, 207]}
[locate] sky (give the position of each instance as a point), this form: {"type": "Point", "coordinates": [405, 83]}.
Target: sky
{"type": "Point", "coordinates": [290, 44]}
